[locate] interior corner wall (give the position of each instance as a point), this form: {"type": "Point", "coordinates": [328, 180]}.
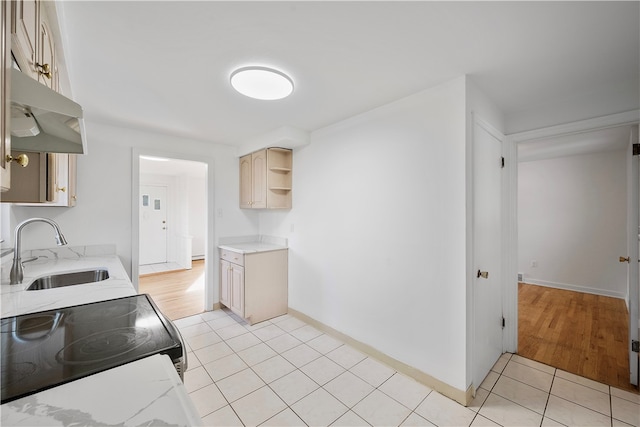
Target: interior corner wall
{"type": "Point", "coordinates": [377, 230]}
{"type": "Point", "coordinates": [572, 222]}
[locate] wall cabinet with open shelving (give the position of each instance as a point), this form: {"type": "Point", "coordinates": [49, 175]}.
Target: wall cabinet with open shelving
{"type": "Point", "coordinates": [266, 179]}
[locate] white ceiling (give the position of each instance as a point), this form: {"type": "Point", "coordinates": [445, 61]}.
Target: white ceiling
{"type": "Point", "coordinates": [165, 66]}
{"type": "Point", "coordinates": [609, 139]}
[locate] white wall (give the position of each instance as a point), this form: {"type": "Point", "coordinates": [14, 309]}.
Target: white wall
{"type": "Point", "coordinates": [197, 215]}
{"type": "Point", "coordinates": [104, 213]}
{"type": "Point", "coordinates": [572, 221]}
{"type": "Point", "coordinates": [378, 245]}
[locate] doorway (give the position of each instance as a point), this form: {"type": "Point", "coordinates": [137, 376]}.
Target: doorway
{"type": "Point", "coordinates": [571, 194]}
{"type": "Point", "coordinates": [173, 230]}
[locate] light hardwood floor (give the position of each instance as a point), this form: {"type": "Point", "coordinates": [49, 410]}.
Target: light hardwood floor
{"type": "Point", "coordinates": [177, 294]}
{"type": "Point", "coordinates": [580, 333]}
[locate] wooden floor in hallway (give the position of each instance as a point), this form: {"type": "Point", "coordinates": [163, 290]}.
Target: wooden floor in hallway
{"type": "Point", "coordinates": [581, 333]}
{"type": "Point", "coordinates": [178, 293]}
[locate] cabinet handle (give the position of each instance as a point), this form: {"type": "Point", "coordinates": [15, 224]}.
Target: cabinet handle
{"type": "Point", "coordinates": [22, 159]}
{"type": "Point", "coordinates": [45, 70]}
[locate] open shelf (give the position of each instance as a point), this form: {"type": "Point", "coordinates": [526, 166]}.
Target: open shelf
{"type": "Point", "coordinates": [278, 169]}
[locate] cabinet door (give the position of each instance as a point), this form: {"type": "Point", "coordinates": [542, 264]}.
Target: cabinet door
{"type": "Point", "coordinates": [72, 185]}
{"type": "Point", "coordinates": [46, 64]}
{"type": "Point", "coordinates": [25, 31]}
{"type": "Point", "coordinates": [245, 182]}
{"type": "Point", "coordinates": [259, 178]}
{"type": "Point", "coordinates": [29, 184]}
{"type": "Point", "coordinates": [225, 282]}
{"type": "Point", "coordinates": [237, 290]}
{"type": "Point", "coordinates": [5, 63]}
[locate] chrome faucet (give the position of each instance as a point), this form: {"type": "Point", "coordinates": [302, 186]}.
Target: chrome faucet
{"type": "Point", "coordinates": [17, 272]}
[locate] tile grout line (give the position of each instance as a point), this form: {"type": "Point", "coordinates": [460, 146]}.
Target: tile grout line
{"type": "Point", "coordinates": [349, 408]}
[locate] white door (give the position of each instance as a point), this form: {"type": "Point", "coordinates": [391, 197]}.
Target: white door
{"type": "Point", "coordinates": [633, 238]}
{"type": "Point", "coordinates": [153, 224]}
{"type": "Point", "coordinates": [487, 245]}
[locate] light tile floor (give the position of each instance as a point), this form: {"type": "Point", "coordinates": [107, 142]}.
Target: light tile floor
{"type": "Point", "coordinates": [284, 372]}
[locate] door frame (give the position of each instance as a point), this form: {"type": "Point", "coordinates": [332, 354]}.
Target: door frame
{"type": "Point", "coordinates": [210, 267]}
{"type": "Point", "coordinates": [510, 294]}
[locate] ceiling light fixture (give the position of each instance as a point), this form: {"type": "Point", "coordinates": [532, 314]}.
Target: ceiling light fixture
{"type": "Point", "coordinates": [262, 83]}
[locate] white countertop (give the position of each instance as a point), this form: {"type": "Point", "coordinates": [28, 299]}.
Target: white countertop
{"type": "Point", "coordinates": [252, 247]}
{"type": "Point", "coordinates": [144, 392]}
{"type": "Point", "coordinates": [16, 301]}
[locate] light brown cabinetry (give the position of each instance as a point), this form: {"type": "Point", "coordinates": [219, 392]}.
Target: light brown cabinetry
{"type": "Point", "coordinates": [254, 285]}
{"type": "Point", "coordinates": [49, 179]}
{"type": "Point", "coordinates": [232, 286]}
{"type": "Point", "coordinates": [266, 179]}
{"type": "Point", "coordinates": [5, 88]}
{"type": "Point", "coordinates": [47, 67]}
{"type": "Point", "coordinates": [253, 180]}
{"type": "Point", "coordinates": [32, 42]}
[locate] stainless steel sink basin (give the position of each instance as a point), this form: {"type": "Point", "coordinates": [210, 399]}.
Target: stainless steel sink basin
{"type": "Point", "coordinates": [69, 279]}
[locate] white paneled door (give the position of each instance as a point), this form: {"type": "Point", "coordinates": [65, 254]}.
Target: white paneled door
{"type": "Point", "coordinates": [487, 250]}
{"type": "Point", "coordinates": [633, 242]}
{"type": "Point", "coordinates": [153, 224]}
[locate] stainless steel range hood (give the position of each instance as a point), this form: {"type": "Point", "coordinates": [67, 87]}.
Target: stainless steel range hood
{"type": "Point", "coordinates": [44, 120]}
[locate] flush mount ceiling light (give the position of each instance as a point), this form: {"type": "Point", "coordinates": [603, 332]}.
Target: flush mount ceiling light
{"type": "Point", "coordinates": [262, 83]}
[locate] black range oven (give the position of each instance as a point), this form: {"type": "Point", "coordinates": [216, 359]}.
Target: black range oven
{"type": "Point", "coordinates": [45, 349]}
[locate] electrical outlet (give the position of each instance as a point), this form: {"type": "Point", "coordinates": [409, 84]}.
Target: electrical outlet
{"type": "Point", "coordinates": [534, 263]}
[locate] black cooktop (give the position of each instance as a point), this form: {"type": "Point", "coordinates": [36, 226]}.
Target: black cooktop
{"type": "Point", "coordinates": [49, 348]}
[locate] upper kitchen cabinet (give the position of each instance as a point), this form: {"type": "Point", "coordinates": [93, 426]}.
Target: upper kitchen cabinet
{"type": "Point", "coordinates": [32, 42]}
{"type": "Point", "coordinates": [48, 180]}
{"type": "Point", "coordinates": [47, 64]}
{"type": "Point", "coordinates": [265, 179]}
{"type": "Point", "coordinates": [5, 86]}
{"type": "Point", "coordinates": [40, 123]}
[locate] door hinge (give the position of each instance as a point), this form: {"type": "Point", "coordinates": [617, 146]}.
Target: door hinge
{"type": "Point", "coordinates": [503, 323]}
{"type": "Point", "coordinates": [636, 149]}
{"type": "Point", "coordinates": [502, 161]}
{"type": "Point", "coordinates": [635, 346]}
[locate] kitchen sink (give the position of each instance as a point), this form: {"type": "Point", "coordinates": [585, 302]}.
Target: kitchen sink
{"type": "Point", "coordinates": [69, 279]}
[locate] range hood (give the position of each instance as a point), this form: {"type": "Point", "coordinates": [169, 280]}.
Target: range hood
{"type": "Point", "coordinates": [44, 120]}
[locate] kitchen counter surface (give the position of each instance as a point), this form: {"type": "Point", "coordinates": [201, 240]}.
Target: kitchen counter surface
{"type": "Point", "coordinates": [252, 247]}
{"type": "Point", "coordinates": [16, 301]}
{"type": "Point", "coordinates": [144, 392]}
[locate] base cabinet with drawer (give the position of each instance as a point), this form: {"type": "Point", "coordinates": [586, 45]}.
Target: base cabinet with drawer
{"type": "Point", "coordinates": [254, 285]}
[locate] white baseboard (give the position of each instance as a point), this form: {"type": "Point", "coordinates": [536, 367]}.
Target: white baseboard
{"type": "Point", "coordinates": [576, 288]}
